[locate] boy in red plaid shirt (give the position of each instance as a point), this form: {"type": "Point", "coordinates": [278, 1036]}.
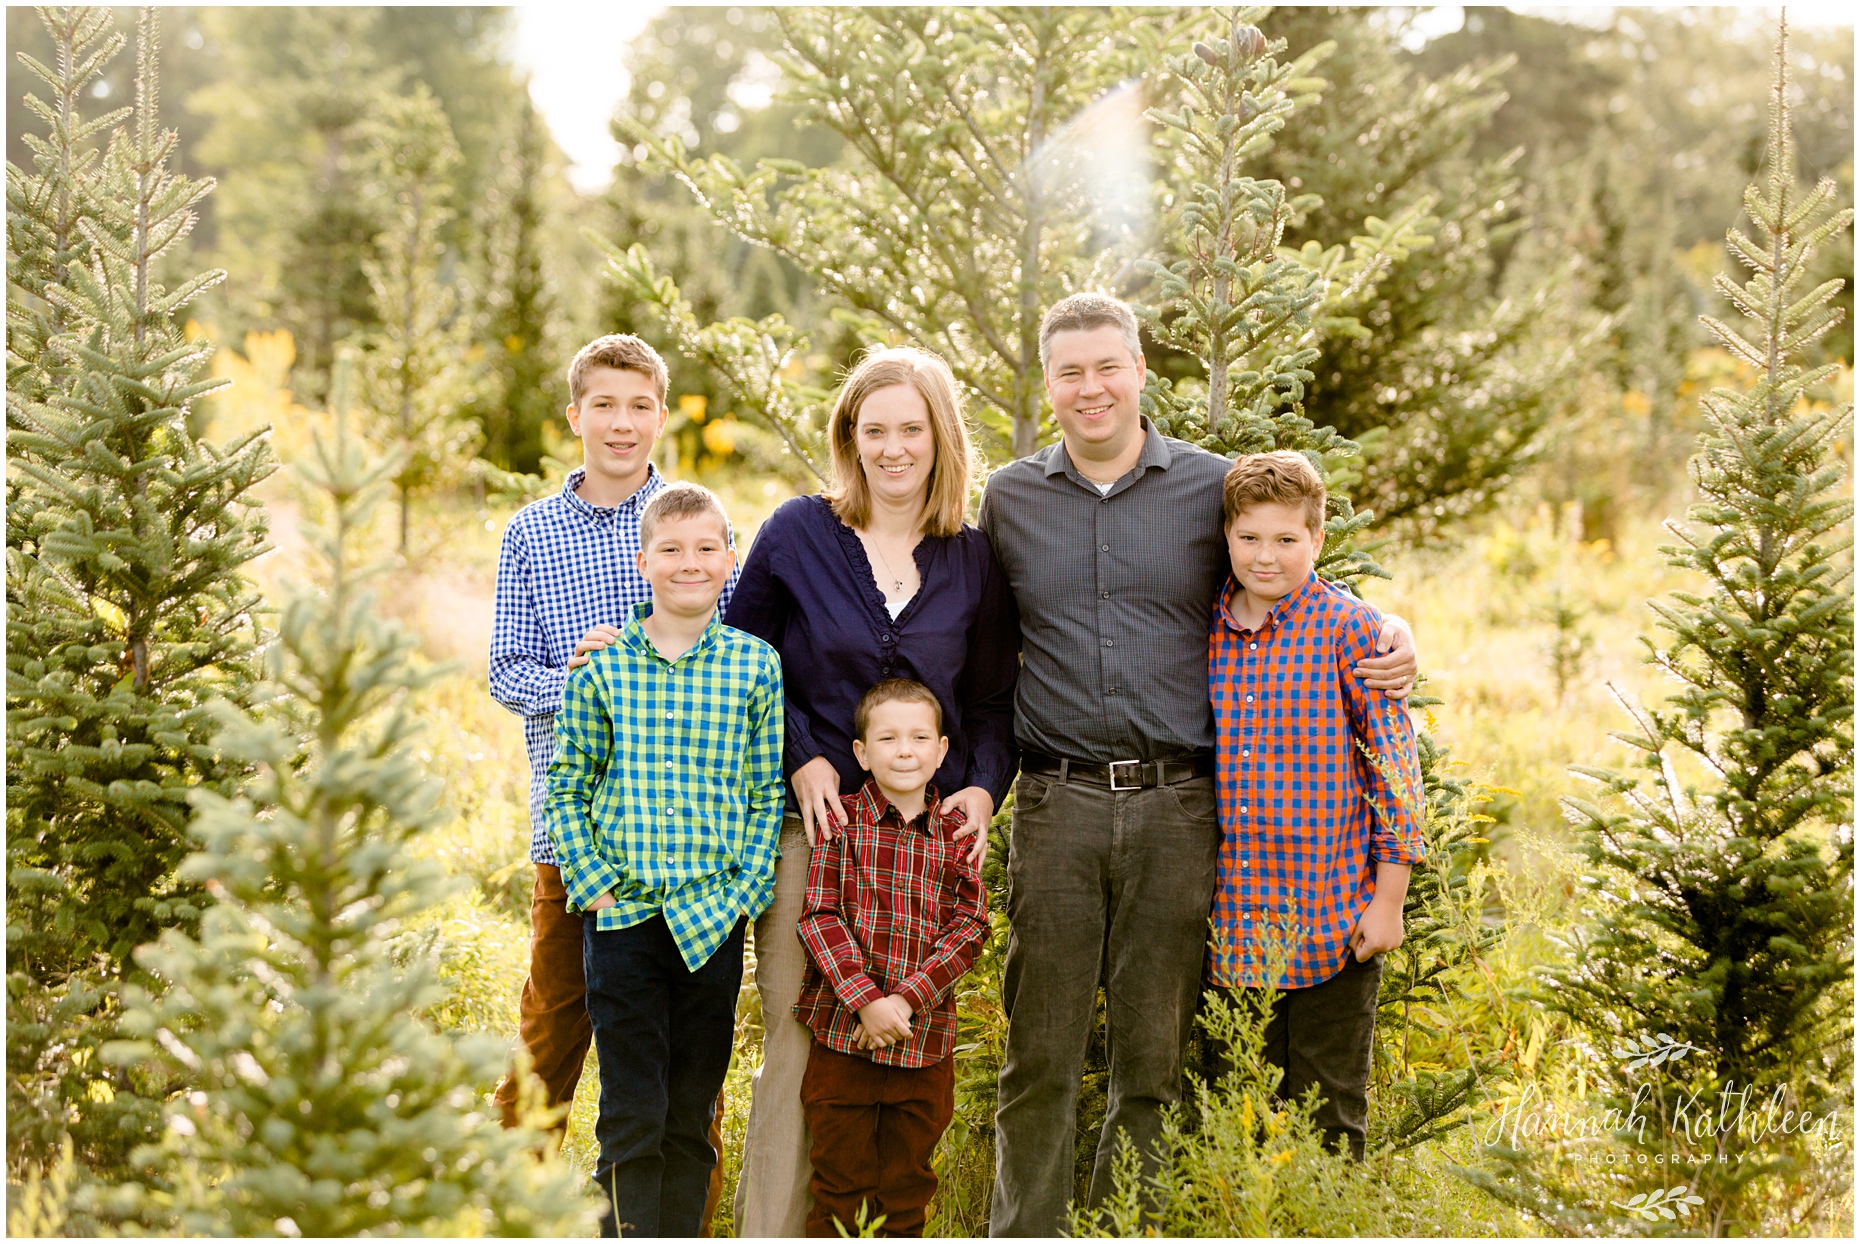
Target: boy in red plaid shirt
{"type": "Point", "coordinates": [895, 915]}
{"type": "Point", "coordinates": [1317, 785]}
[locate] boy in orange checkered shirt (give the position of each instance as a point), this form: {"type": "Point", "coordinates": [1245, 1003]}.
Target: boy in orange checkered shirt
{"type": "Point", "coordinates": [1318, 789]}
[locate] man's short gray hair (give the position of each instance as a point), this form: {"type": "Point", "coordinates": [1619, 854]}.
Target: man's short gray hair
{"type": "Point", "coordinates": [1083, 312]}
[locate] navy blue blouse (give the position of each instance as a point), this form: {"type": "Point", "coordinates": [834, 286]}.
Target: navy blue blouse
{"type": "Point", "coordinates": [807, 588]}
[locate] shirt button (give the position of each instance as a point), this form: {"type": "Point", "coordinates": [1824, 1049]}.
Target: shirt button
{"type": "Point", "coordinates": [668, 764]}
{"type": "Point", "coordinates": [1106, 595]}
{"type": "Point", "coordinates": [1244, 753]}
{"type": "Point", "coordinates": [1242, 809]}
{"type": "Point", "coordinates": [887, 639]}
{"type": "Point", "coordinates": [1109, 644]}
{"type": "Point", "coordinates": [668, 717]}
{"type": "Point", "coordinates": [1104, 548]}
{"type": "Point", "coordinates": [671, 812]}
{"type": "Point", "coordinates": [1112, 691]}
{"type": "Point", "coordinates": [1249, 699]}
{"type": "Point", "coordinates": [1252, 645]}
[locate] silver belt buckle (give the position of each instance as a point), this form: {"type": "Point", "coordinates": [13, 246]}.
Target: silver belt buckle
{"type": "Point", "coordinates": [1113, 767]}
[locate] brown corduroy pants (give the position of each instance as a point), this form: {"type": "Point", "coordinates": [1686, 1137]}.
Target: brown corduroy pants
{"type": "Point", "coordinates": [874, 1130]}
{"type": "Point", "coordinates": [552, 1017]}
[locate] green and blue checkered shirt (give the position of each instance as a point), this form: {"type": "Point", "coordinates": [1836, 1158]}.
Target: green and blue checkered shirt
{"type": "Point", "coordinates": [666, 787]}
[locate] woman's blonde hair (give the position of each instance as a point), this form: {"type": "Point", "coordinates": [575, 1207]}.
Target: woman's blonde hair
{"type": "Point", "coordinates": [954, 470]}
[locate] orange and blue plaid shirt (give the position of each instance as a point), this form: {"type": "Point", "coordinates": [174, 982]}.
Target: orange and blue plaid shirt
{"type": "Point", "coordinates": [891, 908]}
{"type": "Point", "coordinates": [1316, 779]}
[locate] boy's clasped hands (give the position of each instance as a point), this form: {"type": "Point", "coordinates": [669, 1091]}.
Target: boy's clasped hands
{"type": "Point", "coordinates": [883, 1023]}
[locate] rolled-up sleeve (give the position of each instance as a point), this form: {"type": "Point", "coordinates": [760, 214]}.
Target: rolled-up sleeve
{"type": "Point", "coordinates": [1387, 763]}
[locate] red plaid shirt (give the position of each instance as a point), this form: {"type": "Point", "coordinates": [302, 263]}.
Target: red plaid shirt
{"type": "Point", "coordinates": [891, 908]}
{"type": "Point", "coordinates": [1305, 813]}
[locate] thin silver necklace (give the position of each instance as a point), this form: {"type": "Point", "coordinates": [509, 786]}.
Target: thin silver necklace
{"type": "Point", "coordinates": [897, 583]}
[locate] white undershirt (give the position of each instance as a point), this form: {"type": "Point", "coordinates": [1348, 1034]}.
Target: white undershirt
{"type": "Point", "coordinates": [896, 607]}
{"type": "Point", "coordinates": [1104, 490]}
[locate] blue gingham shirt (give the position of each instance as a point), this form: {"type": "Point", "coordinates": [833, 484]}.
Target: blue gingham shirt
{"type": "Point", "coordinates": [666, 791]}
{"type": "Point", "coordinates": [564, 567]}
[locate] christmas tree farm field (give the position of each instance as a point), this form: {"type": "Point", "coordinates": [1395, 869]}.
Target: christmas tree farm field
{"type": "Point", "coordinates": [1522, 626]}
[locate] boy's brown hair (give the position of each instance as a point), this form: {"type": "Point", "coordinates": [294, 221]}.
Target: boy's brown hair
{"type": "Point", "coordinates": [622, 351]}
{"type": "Point", "coordinates": [1281, 477]}
{"type": "Point", "coordinates": [906, 690]}
{"type": "Point", "coordinates": [683, 499]}
{"type": "Point", "coordinates": [1083, 312]}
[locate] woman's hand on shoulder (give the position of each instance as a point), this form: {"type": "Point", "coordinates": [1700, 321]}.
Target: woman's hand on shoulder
{"type": "Point", "coordinates": [817, 789]}
{"type": "Point", "coordinates": [978, 808]}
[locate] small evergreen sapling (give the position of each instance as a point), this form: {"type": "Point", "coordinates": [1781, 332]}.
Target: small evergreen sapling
{"type": "Point", "coordinates": [318, 1103]}
{"type": "Point", "coordinates": [126, 606]}
{"type": "Point", "coordinates": [1724, 911]}
{"type": "Point", "coordinates": [1251, 312]}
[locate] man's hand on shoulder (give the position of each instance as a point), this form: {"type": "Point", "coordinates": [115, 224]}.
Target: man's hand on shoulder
{"type": "Point", "coordinates": [598, 637]}
{"type": "Point", "coordinates": [1393, 672]}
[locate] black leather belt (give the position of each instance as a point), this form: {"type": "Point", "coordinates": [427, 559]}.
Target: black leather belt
{"type": "Point", "coordinates": [1121, 774]}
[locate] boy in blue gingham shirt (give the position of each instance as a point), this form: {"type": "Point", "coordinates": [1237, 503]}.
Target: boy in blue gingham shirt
{"type": "Point", "coordinates": [664, 808]}
{"type": "Point", "coordinates": [567, 581]}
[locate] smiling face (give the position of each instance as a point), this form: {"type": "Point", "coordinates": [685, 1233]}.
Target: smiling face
{"type": "Point", "coordinates": [618, 418]}
{"type": "Point", "coordinates": [1272, 549]}
{"type": "Point", "coordinates": [1093, 382]}
{"type": "Point", "coordinates": [902, 747]}
{"type": "Point", "coordinates": [897, 449]}
{"type": "Point", "coordinates": [687, 562]}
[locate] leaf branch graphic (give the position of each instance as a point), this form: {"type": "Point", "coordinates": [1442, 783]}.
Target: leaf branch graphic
{"type": "Point", "coordinates": [1654, 1050]}
{"type": "Point", "coordinates": [1671, 1203]}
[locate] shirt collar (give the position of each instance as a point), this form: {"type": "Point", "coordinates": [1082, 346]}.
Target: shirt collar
{"type": "Point", "coordinates": [1280, 614]}
{"type": "Point", "coordinates": [596, 513]}
{"type": "Point", "coordinates": [634, 635]}
{"type": "Point", "coordinates": [1155, 454]}
{"type": "Point", "coordinates": [874, 808]}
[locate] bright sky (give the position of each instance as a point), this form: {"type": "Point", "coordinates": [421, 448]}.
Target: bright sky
{"type": "Point", "coordinates": [574, 54]}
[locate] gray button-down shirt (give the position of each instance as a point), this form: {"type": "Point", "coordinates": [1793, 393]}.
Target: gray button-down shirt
{"type": "Point", "coordinates": [1115, 595]}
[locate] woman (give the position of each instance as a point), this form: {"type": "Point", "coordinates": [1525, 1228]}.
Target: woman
{"type": "Point", "coordinates": [877, 577]}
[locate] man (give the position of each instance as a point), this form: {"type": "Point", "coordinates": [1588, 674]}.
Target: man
{"type": "Point", "coordinates": [1112, 542]}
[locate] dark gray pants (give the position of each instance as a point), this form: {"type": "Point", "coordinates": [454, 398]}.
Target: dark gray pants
{"type": "Point", "coordinates": [1324, 1035]}
{"type": "Point", "coordinates": [1101, 884]}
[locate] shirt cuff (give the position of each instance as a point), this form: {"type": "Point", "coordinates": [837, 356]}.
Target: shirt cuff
{"type": "Point", "coordinates": [857, 991]}
{"type": "Point", "coordinates": [583, 881]}
{"type": "Point", "coordinates": [917, 990]}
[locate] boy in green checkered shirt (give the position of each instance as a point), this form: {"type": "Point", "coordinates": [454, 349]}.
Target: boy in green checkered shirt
{"type": "Point", "coordinates": [664, 807]}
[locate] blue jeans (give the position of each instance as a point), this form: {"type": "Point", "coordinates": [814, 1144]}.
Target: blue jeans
{"type": "Point", "coordinates": [664, 1035]}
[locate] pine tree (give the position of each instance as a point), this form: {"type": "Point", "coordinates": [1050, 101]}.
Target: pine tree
{"type": "Point", "coordinates": [517, 312]}
{"type": "Point", "coordinates": [1249, 311]}
{"type": "Point", "coordinates": [126, 607]}
{"type": "Point", "coordinates": [319, 1104]}
{"type": "Point", "coordinates": [965, 205]}
{"type": "Point", "coordinates": [46, 209]}
{"type": "Point", "coordinates": [1723, 911]}
{"type": "Point", "coordinates": [415, 373]}
{"type": "Point", "coordinates": [1454, 354]}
